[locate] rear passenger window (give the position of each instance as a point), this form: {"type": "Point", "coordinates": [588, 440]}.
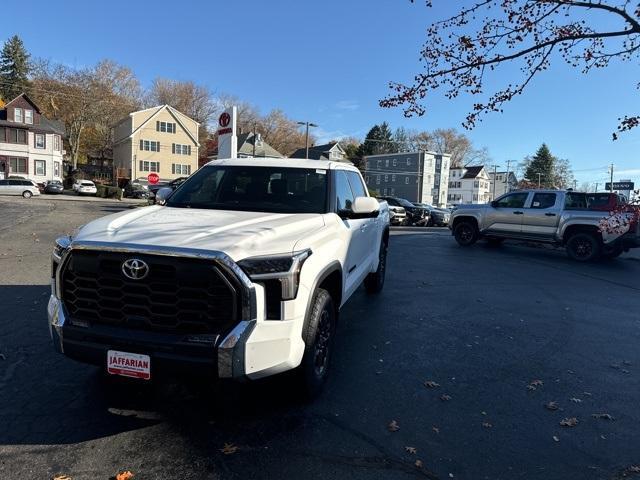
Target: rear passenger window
{"type": "Point", "coordinates": [543, 200]}
{"type": "Point", "coordinates": [575, 201]}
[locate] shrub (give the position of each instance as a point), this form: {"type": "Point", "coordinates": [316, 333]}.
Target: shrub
{"type": "Point", "coordinates": [106, 191]}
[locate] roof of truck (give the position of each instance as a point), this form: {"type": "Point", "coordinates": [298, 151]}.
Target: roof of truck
{"type": "Point", "coordinates": [284, 162]}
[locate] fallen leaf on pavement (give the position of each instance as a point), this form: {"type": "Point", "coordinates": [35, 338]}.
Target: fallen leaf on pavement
{"type": "Point", "coordinates": [486, 425]}
{"type": "Point", "coordinates": [531, 387]}
{"type": "Point", "coordinates": [444, 397]}
{"type": "Point", "coordinates": [536, 383]}
{"type": "Point", "coordinates": [435, 429]}
{"type": "Point", "coordinates": [62, 477]}
{"type": "Point", "coordinates": [587, 394]}
{"type": "Point", "coordinates": [551, 406]}
{"type": "Point", "coordinates": [2, 356]}
{"type": "Point", "coordinates": [575, 400]}
{"type": "Point", "coordinates": [431, 384]}
{"type": "Point", "coordinates": [634, 469]}
{"type": "Point", "coordinates": [126, 475]}
{"type": "Point", "coordinates": [604, 416]}
{"type": "Point", "coordinates": [393, 426]}
{"type": "Point", "coordinates": [411, 450]}
{"type": "Point", "coordinates": [418, 463]}
{"type": "Point", "coordinates": [229, 449]}
{"type": "Point", "coordinates": [569, 422]}
{"type": "Point", "coordinates": [556, 439]}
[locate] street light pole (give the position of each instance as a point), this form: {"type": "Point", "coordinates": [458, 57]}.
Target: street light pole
{"type": "Point", "coordinates": [495, 180]}
{"type": "Point", "coordinates": [539, 175]}
{"type": "Point", "coordinates": [611, 184]}
{"type": "Point", "coordinates": [306, 137]}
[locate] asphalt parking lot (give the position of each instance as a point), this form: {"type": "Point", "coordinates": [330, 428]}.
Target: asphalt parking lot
{"type": "Point", "coordinates": [497, 334]}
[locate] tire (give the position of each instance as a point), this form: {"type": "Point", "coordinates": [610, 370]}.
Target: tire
{"type": "Point", "coordinates": [27, 194]}
{"type": "Point", "coordinates": [318, 335]}
{"type": "Point", "coordinates": [583, 247]}
{"type": "Point", "coordinates": [374, 282]}
{"type": "Point", "coordinates": [465, 233]}
{"type": "Point", "coordinates": [430, 223]}
{"type": "Point", "coordinates": [495, 242]}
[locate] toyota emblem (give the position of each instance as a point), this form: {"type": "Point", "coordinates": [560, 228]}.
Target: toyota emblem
{"type": "Point", "coordinates": [135, 269]}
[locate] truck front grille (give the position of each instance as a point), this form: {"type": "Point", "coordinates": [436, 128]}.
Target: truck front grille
{"type": "Point", "coordinates": [179, 294]}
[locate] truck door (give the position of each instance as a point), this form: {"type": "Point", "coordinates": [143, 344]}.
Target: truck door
{"type": "Point", "coordinates": [505, 214]}
{"type": "Point", "coordinates": [354, 230]}
{"type": "Point", "coordinates": [542, 215]}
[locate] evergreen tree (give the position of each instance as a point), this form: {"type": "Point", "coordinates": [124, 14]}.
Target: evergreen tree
{"type": "Point", "coordinates": [379, 140]}
{"type": "Point", "coordinates": [14, 69]}
{"type": "Point", "coordinates": [542, 164]}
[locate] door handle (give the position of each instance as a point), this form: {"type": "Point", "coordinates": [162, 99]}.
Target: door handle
{"type": "Point", "coordinates": [518, 213]}
{"type": "Point", "coordinates": [550, 214]}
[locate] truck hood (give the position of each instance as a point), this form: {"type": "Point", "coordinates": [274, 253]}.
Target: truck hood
{"type": "Point", "coordinates": [238, 234]}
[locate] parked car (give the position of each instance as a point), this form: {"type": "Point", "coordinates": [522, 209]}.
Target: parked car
{"type": "Point", "coordinates": [416, 215]}
{"type": "Point", "coordinates": [53, 187]}
{"type": "Point", "coordinates": [85, 187]}
{"type": "Point", "coordinates": [173, 184]}
{"type": "Point", "coordinates": [12, 186]}
{"type": "Point", "coordinates": [399, 215]}
{"type": "Point", "coordinates": [438, 217]}
{"type": "Point", "coordinates": [548, 216]}
{"type": "Point", "coordinates": [135, 190]}
{"type": "Point", "coordinates": [240, 274]}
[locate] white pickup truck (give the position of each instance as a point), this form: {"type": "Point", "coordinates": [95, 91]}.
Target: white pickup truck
{"type": "Point", "coordinates": [241, 273]}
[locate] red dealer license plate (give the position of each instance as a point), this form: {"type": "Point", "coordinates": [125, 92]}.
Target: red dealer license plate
{"type": "Point", "coordinates": [129, 364]}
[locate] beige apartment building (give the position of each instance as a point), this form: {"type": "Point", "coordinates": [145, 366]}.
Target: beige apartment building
{"type": "Point", "coordinates": [156, 140]}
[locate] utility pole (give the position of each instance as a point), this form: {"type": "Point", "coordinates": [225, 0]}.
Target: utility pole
{"type": "Point", "coordinates": [506, 181]}
{"type": "Point", "coordinates": [539, 175]}
{"type": "Point", "coordinates": [611, 184]}
{"type": "Point", "coordinates": [306, 141]}
{"type": "Point", "coordinates": [254, 139]}
{"type": "Point", "coordinates": [596, 190]}
{"type": "Point", "coordinates": [575, 185]}
{"type": "Point", "coordinates": [495, 180]}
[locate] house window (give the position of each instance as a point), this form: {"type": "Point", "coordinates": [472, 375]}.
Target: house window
{"type": "Point", "coordinates": [146, 166]}
{"type": "Point", "coordinates": [406, 180]}
{"type": "Point", "coordinates": [366, 179]}
{"type": "Point", "coordinates": [179, 149]}
{"type": "Point", "coordinates": [17, 115]}
{"type": "Point", "coordinates": [150, 145]}
{"type": "Point", "coordinates": [16, 135]}
{"type": "Point", "coordinates": [408, 162]}
{"type": "Point", "coordinates": [386, 162]}
{"type": "Point", "coordinates": [393, 177]}
{"type": "Point", "coordinates": [167, 127]}
{"type": "Point", "coordinates": [378, 163]}
{"type": "Point", "coordinates": [56, 143]}
{"type": "Point", "coordinates": [56, 169]}
{"type": "Point", "coordinates": [377, 179]}
{"type": "Point", "coordinates": [17, 165]}
{"type": "Point", "coordinates": [28, 117]}
{"type": "Point", "coordinates": [40, 167]}
{"type": "Point", "coordinates": [386, 177]}
{"type": "Point", "coordinates": [178, 169]}
{"type": "Point", "coordinates": [40, 140]}
{"type": "Point", "coordinates": [395, 162]}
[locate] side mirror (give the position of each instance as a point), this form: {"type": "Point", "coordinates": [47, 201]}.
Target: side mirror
{"type": "Point", "coordinates": [365, 207]}
{"type": "Point", "coordinates": [163, 195]}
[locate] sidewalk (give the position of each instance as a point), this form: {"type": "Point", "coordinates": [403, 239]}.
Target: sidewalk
{"type": "Point", "coordinates": [82, 198]}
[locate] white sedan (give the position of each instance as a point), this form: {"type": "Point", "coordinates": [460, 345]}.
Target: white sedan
{"type": "Point", "coordinates": [85, 187]}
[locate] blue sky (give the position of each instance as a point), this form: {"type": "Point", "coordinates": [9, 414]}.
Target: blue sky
{"type": "Point", "coordinates": [329, 62]}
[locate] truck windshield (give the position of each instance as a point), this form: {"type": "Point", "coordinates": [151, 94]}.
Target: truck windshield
{"type": "Point", "coordinates": [255, 189]}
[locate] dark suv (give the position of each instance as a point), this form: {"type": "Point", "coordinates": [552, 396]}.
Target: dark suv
{"type": "Point", "coordinates": [416, 215]}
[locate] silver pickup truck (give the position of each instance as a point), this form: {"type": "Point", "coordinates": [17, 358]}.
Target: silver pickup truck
{"type": "Point", "coordinates": [550, 216]}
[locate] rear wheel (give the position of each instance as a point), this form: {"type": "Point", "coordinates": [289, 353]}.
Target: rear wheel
{"type": "Point", "coordinates": [318, 338]}
{"type": "Point", "coordinates": [374, 282]}
{"type": "Point", "coordinates": [465, 233]}
{"type": "Point", "coordinates": [583, 247]}
{"type": "Point", "coordinates": [27, 194]}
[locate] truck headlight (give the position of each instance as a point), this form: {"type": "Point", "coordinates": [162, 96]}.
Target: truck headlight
{"type": "Point", "coordinates": [285, 268]}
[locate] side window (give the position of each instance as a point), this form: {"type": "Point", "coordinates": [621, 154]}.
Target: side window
{"type": "Point", "coordinates": [543, 200]}
{"type": "Point", "coordinates": [575, 200]}
{"type": "Point", "coordinates": [4, 183]}
{"type": "Point", "coordinates": [513, 200]}
{"type": "Point", "coordinates": [356, 185]}
{"type": "Point", "coordinates": [344, 195]}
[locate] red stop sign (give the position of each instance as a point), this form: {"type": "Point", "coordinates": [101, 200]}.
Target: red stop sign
{"type": "Point", "coordinates": [153, 178]}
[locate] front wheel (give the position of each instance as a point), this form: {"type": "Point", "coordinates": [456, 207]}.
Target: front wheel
{"type": "Point", "coordinates": [27, 194]}
{"type": "Point", "coordinates": [318, 336]}
{"type": "Point", "coordinates": [465, 233]}
{"type": "Point", "coordinates": [374, 282]}
{"type": "Point", "coordinates": [583, 247]}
